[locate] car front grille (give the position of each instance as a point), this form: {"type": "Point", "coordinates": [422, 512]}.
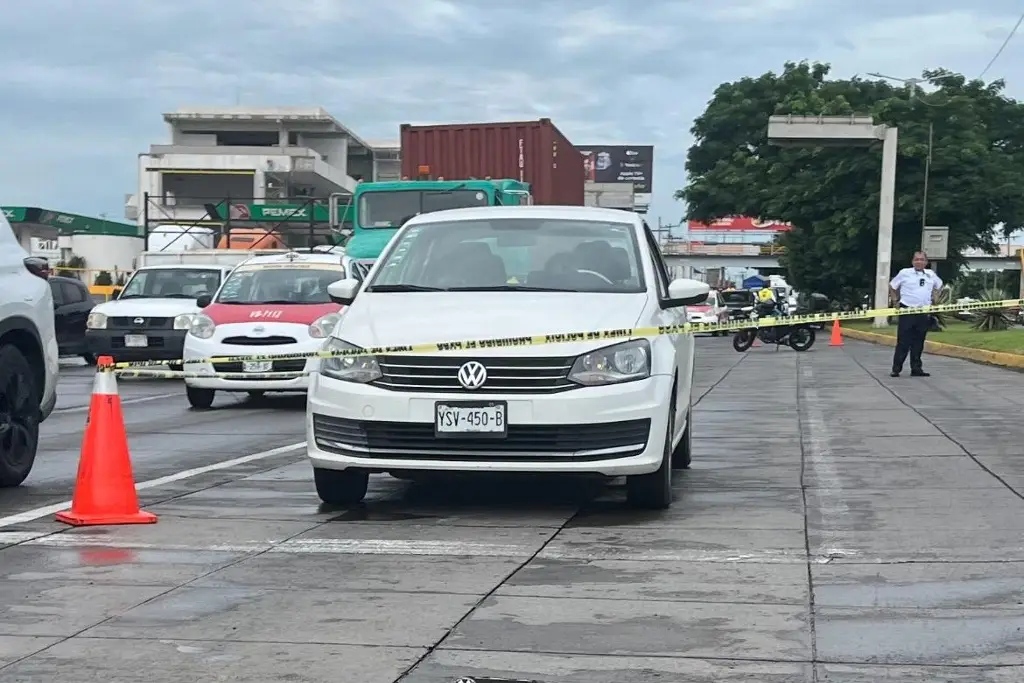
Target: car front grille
{"type": "Point", "coordinates": [286, 365]}
{"type": "Point", "coordinates": [258, 341]}
{"type": "Point", "coordinates": [129, 323]}
{"type": "Point", "coordinates": [536, 442]}
{"type": "Point", "coordinates": [439, 374]}
{"type": "Point", "coordinates": [151, 343]}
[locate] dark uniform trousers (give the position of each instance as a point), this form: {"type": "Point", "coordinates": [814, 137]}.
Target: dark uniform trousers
{"type": "Point", "coordinates": [910, 337]}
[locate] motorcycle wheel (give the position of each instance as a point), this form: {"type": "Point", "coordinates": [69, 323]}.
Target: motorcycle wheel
{"type": "Point", "coordinates": [743, 339]}
{"type": "Point", "coordinates": [802, 338]}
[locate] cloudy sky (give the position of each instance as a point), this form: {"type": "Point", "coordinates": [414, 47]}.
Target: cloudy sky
{"type": "Point", "coordinates": [84, 82]}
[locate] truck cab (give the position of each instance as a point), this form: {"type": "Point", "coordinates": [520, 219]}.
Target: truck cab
{"type": "Point", "coordinates": [381, 208]}
{"type": "Point", "coordinates": [151, 315]}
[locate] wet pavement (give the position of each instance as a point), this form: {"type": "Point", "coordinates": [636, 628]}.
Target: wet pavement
{"type": "Point", "coordinates": [837, 525]}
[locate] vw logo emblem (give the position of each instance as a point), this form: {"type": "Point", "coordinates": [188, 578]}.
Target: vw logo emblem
{"type": "Point", "coordinates": [139, 321]}
{"type": "Point", "coordinates": [472, 375]}
{"type": "Point", "coordinates": [259, 329]}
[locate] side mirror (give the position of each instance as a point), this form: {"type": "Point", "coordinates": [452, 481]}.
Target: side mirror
{"type": "Point", "coordinates": [204, 300]}
{"type": "Point", "coordinates": [343, 292]}
{"type": "Point", "coordinates": [685, 292]}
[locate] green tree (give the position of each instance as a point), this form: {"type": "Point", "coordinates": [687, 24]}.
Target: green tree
{"type": "Point", "coordinates": [830, 194]}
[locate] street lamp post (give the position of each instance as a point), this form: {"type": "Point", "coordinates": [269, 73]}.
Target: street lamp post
{"type": "Point", "coordinates": [851, 131]}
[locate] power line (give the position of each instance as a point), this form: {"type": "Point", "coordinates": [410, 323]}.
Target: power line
{"type": "Point", "coordinates": [1002, 47]}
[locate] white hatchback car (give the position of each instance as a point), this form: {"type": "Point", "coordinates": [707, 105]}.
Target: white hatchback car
{"type": "Point", "coordinates": [586, 406]}
{"type": "Point", "coordinates": [28, 356]}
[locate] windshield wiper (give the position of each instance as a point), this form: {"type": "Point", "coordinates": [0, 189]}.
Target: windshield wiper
{"type": "Point", "coordinates": [508, 288]}
{"type": "Point", "coordinates": [269, 301]}
{"type": "Point", "coordinates": [460, 186]}
{"type": "Point", "coordinates": [403, 288]}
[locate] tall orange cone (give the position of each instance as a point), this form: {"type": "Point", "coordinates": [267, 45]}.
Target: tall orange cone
{"type": "Point", "coordinates": [837, 334]}
{"type": "Point", "coordinates": [105, 488]}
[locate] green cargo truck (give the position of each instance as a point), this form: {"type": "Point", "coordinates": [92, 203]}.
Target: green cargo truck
{"type": "Point", "coordinates": [380, 208]}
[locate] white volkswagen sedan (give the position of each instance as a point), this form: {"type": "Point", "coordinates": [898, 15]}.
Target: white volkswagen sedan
{"type": "Point", "coordinates": [611, 407]}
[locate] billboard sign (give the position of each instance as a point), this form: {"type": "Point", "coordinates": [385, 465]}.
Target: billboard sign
{"type": "Point", "coordinates": [619, 164]}
{"type": "Point", "coordinates": [741, 223]}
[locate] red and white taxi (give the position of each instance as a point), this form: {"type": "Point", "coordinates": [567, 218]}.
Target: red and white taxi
{"type": "Point", "coordinates": [711, 311]}
{"type": "Point", "coordinates": [268, 305]}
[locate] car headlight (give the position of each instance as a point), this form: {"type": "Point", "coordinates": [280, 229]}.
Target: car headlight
{"type": "Point", "coordinates": [183, 321]}
{"type": "Point", "coordinates": [322, 327]}
{"type": "Point", "coordinates": [202, 326]}
{"type": "Point", "coordinates": [96, 321]}
{"type": "Point", "coordinates": [623, 362]}
{"type": "Point", "coordinates": [361, 369]}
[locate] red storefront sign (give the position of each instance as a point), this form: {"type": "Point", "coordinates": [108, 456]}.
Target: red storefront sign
{"type": "Point", "coordinates": [741, 223]}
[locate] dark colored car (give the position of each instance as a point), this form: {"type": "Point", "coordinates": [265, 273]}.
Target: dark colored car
{"type": "Point", "coordinates": [738, 303]}
{"type": "Point", "coordinates": [72, 303]}
{"type": "Point", "coordinates": [815, 302]}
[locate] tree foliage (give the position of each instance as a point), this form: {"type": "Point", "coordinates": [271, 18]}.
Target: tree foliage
{"type": "Point", "coordinates": [831, 194]}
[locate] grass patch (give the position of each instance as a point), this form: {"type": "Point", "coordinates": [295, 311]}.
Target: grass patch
{"type": "Point", "coordinates": [959, 333]}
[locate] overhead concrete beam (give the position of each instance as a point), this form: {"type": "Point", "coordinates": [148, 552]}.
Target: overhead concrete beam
{"type": "Point", "coordinates": [823, 131]}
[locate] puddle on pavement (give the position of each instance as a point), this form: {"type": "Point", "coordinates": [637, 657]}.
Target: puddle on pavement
{"type": "Point", "coordinates": [609, 513]}
{"type": "Point", "coordinates": [372, 513]}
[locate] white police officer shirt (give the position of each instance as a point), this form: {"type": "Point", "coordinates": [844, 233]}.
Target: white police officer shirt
{"type": "Point", "coordinates": [916, 286]}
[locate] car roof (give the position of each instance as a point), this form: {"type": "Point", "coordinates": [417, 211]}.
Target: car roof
{"type": "Point", "coordinates": [189, 266]}
{"type": "Point", "coordinates": [293, 257]}
{"type": "Point", "coordinates": [479, 213]}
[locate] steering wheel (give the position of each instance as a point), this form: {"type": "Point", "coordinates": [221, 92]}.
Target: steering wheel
{"type": "Point", "coordinates": [595, 274]}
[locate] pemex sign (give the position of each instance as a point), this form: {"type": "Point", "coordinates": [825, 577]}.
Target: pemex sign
{"type": "Point", "coordinates": [15, 214]}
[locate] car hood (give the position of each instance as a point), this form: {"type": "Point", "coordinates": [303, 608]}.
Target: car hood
{"type": "Point", "coordinates": [397, 319]}
{"type": "Point", "coordinates": [150, 308]}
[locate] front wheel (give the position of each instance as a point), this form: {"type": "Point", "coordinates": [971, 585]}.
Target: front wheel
{"type": "Point", "coordinates": [802, 338]}
{"type": "Point", "coordinates": [19, 416]}
{"type": "Point", "coordinates": [743, 339]}
{"type": "Point", "coordinates": [200, 399]}
{"type": "Point", "coordinates": [341, 487]}
{"type": "Point", "coordinates": [654, 491]}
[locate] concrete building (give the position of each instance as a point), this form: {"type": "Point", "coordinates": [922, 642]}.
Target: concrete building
{"type": "Point", "coordinates": [250, 155]}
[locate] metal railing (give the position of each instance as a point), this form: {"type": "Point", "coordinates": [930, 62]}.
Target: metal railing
{"type": "Point", "coordinates": [682, 248]}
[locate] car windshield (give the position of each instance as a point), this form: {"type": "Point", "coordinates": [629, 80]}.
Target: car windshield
{"type": "Point", "coordinates": [507, 254]}
{"type": "Point", "coordinates": [735, 298]}
{"type": "Point", "coordinates": [389, 209]}
{"type": "Point", "coordinates": [279, 285]}
{"type": "Point", "coordinates": [171, 283]}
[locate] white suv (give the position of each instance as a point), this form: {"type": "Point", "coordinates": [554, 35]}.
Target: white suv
{"type": "Point", "coordinates": [607, 406]}
{"type": "Point", "coordinates": [28, 356]}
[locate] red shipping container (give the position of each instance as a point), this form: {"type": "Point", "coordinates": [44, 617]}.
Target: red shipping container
{"type": "Point", "coordinates": [534, 152]}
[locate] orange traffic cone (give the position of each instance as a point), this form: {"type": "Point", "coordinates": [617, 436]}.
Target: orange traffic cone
{"type": "Point", "coordinates": [837, 334]}
{"type": "Point", "coordinates": [105, 488]}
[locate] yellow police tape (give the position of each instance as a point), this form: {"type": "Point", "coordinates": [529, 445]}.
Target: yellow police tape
{"type": "Point", "coordinates": [538, 340]}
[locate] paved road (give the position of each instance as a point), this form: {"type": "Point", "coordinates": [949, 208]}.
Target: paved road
{"type": "Point", "coordinates": [827, 532]}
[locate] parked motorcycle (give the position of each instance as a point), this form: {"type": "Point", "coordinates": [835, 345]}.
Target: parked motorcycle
{"type": "Point", "coordinates": [799, 337]}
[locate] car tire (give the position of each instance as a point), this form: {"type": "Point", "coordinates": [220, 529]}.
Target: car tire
{"type": "Point", "coordinates": [200, 399]}
{"type": "Point", "coordinates": [653, 491]}
{"type": "Point", "coordinates": [90, 359]}
{"type": "Point", "coordinates": [341, 487]}
{"type": "Point", "coordinates": [682, 453]}
{"type": "Point", "coordinates": [19, 417]}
